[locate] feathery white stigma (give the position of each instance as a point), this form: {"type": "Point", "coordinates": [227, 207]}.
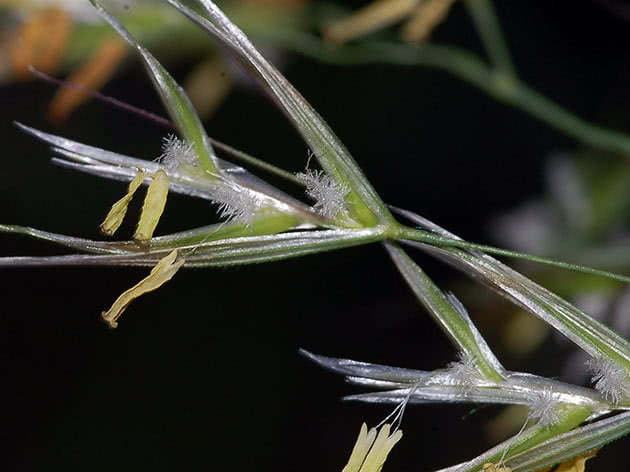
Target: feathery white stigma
{"type": "Point", "coordinates": [176, 153]}
{"type": "Point", "coordinates": [543, 408]}
{"type": "Point", "coordinates": [464, 372]}
{"type": "Point", "coordinates": [235, 203]}
{"type": "Point", "coordinates": [610, 379]}
{"type": "Point", "coordinates": [329, 195]}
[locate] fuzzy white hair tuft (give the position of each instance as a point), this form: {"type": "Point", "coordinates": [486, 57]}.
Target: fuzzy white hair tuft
{"type": "Point", "coordinates": [235, 203]}
{"type": "Point", "coordinates": [176, 153]}
{"type": "Point", "coordinates": [543, 409]}
{"type": "Point", "coordinates": [611, 380]}
{"type": "Point", "coordinates": [464, 372]}
{"type": "Point", "coordinates": [329, 195]}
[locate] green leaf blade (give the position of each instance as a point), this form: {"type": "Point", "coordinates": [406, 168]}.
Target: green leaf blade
{"type": "Point", "coordinates": [454, 323]}
{"type": "Point", "coordinates": [173, 96]}
{"type": "Point", "coordinates": [571, 444]}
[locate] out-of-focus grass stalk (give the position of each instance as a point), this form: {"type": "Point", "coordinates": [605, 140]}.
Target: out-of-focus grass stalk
{"type": "Point", "coordinates": [485, 19]}
{"type": "Point", "coordinates": [468, 67]}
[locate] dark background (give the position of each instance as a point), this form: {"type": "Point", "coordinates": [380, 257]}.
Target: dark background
{"type": "Point", "coordinates": [204, 373]}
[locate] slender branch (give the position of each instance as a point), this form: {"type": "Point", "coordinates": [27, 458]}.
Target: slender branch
{"type": "Point", "coordinates": [485, 19]}
{"type": "Point", "coordinates": [467, 67]}
{"type": "Point", "coordinates": [441, 241]}
{"type": "Point", "coordinates": [259, 163]}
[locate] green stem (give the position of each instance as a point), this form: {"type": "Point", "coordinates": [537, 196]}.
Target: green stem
{"type": "Point", "coordinates": [268, 224]}
{"type": "Point", "coordinates": [486, 22]}
{"type": "Point", "coordinates": [441, 241]}
{"type": "Point", "coordinates": [562, 120]}
{"type": "Point", "coordinates": [254, 161]}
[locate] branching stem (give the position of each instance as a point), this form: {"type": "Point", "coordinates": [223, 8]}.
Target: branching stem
{"type": "Point", "coordinates": [468, 67]}
{"type": "Point", "coordinates": [441, 241]}
{"type": "Point", "coordinates": [485, 19]}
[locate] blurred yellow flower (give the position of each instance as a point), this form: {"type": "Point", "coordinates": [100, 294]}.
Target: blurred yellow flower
{"type": "Point", "coordinates": [423, 16]}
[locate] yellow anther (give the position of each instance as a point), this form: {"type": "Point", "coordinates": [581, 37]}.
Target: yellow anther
{"type": "Point", "coordinates": [153, 206]}
{"type": "Point", "coordinates": [115, 217]}
{"type": "Point", "coordinates": [164, 270]}
{"type": "Point", "coordinates": [371, 449]}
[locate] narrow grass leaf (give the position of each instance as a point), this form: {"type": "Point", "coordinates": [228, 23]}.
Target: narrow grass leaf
{"type": "Point", "coordinates": [566, 446]}
{"type": "Point", "coordinates": [453, 319]}
{"type": "Point", "coordinates": [173, 96]}
{"type": "Point", "coordinates": [221, 253]}
{"type": "Point", "coordinates": [527, 440]}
